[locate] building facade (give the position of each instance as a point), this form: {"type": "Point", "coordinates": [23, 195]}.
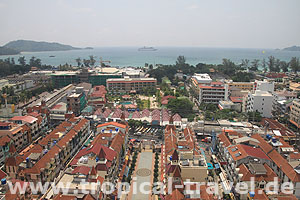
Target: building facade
{"type": "Point", "coordinates": [260, 101]}
{"type": "Point", "coordinates": [126, 85]}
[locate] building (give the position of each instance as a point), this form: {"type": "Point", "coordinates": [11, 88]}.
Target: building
{"type": "Point", "coordinates": [229, 105]}
{"type": "Point", "coordinates": [100, 161]}
{"type": "Point", "coordinates": [98, 96]}
{"type": "Point", "coordinates": [282, 100]}
{"type": "Point", "coordinates": [101, 78]}
{"type": "Point", "coordinates": [127, 85]}
{"type": "Point", "coordinates": [76, 101]}
{"type": "Point", "coordinates": [242, 85]}
{"type": "Point", "coordinates": [63, 78]}
{"type": "Point", "coordinates": [283, 169]}
{"type": "Point", "coordinates": [213, 93]}
{"type": "Point", "coordinates": [260, 101]}
{"type": "Point", "coordinates": [58, 112]}
{"type": "Point", "coordinates": [32, 122]}
{"type": "Point", "coordinates": [3, 83]}
{"type": "Point", "coordinates": [202, 78]}
{"type": "Point", "coordinates": [44, 161]}
{"type": "Point", "coordinates": [295, 87]}
{"type": "Point", "coordinates": [263, 86]}
{"type": "Point", "coordinates": [295, 113]}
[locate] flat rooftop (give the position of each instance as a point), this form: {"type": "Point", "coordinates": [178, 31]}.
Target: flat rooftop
{"type": "Point", "coordinates": [130, 79]}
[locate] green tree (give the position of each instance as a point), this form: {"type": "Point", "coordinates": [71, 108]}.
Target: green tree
{"type": "Point", "coordinates": [86, 62]}
{"type": "Point", "coordinates": [277, 65]}
{"type": "Point", "coordinates": [92, 60]}
{"type": "Point", "coordinates": [180, 61]}
{"type": "Point", "coordinates": [294, 64]}
{"type": "Point", "coordinates": [228, 67]}
{"type": "Point", "coordinates": [264, 65]}
{"type": "Point", "coordinates": [271, 63]}
{"type": "Point", "coordinates": [78, 60]}
{"type": "Point", "coordinates": [22, 60]}
{"type": "Point", "coordinates": [284, 66]}
{"type": "Point", "coordinates": [181, 105]}
{"type": "Point", "coordinates": [245, 63]}
{"type": "Point", "coordinates": [254, 65]}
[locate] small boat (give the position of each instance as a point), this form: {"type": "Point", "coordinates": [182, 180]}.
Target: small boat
{"type": "Point", "coordinates": [147, 49]}
{"type": "Point", "coordinates": [51, 56]}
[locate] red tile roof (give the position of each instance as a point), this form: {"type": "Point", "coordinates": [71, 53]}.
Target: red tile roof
{"type": "Point", "coordinates": [112, 124]}
{"type": "Point", "coordinates": [281, 162]}
{"type": "Point", "coordinates": [245, 151]}
{"type": "Point", "coordinates": [28, 119]}
{"type": "Point", "coordinates": [81, 170]}
{"type": "Point", "coordinates": [268, 177]}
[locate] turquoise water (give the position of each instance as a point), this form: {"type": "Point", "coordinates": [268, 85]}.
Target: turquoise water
{"type": "Point", "coordinates": [130, 56]}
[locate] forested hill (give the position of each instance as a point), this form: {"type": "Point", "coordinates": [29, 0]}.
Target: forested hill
{"type": "Point", "coordinates": [31, 46]}
{"type": "Point", "coordinates": [293, 48]}
{"type": "Point", "coordinates": [8, 51]}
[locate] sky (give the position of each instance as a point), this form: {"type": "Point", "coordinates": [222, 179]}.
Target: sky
{"type": "Point", "coordinates": [195, 23]}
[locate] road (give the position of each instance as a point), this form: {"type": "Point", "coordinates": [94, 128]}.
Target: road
{"type": "Point", "coordinates": [143, 174]}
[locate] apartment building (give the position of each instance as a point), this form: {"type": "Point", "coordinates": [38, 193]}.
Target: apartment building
{"type": "Point", "coordinates": [264, 85]}
{"type": "Point", "coordinates": [33, 123]}
{"type": "Point", "coordinates": [260, 101]}
{"type": "Point", "coordinates": [245, 158]}
{"type": "Point", "coordinates": [129, 85]}
{"type": "Point", "coordinates": [295, 113]}
{"type": "Point", "coordinates": [242, 85]}
{"type": "Point", "coordinates": [77, 101]}
{"type": "Point", "coordinates": [284, 169]}
{"type": "Point", "coordinates": [98, 96]}
{"type": "Point", "coordinates": [208, 91]}
{"type": "Point", "coordinates": [43, 162]}
{"type": "Point", "coordinates": [282, 100]}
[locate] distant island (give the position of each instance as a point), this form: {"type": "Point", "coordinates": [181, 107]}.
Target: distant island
{"type": "Point", "coordinates": [18, 46]}
{"type": "Point", "coordinates": [8, 51]}
{"type": "Point", "coordinates": [292, 48]}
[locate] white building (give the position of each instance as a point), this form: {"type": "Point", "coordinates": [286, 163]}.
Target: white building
{"type": "Point", "coordinates": [264, 86]}
{"type": "Point", "coordinates": [260, 101]}
{"type": "Point", "coordinates": [208, 91]}
{"type": "Point", "coordinates": [202, 78]}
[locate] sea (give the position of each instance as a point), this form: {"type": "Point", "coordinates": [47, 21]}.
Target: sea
{"type": "Point", "coordinates": [130, 56]}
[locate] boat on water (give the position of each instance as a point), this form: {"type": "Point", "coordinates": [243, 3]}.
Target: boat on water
{"type": "Point", "coordinates": [51, 56]}
{"type": "Point", "coordinates": [147, 49]}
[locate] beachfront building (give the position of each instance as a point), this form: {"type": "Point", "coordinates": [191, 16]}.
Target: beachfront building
{"type": "Point", "coordinates": [129, 85]}
{"type": "Point", "coordinates": [260, 101]}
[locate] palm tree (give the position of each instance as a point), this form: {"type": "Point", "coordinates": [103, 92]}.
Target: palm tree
{"type": "Point", "coordinates": [294, 63]}
{"type": "Point", "coordinates": [92, 60]}
{"type": "Point", "coordinates": [78, 60]}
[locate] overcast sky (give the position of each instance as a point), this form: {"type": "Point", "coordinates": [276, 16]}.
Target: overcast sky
{"type": "Point", "coordinates": [203, 23]}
